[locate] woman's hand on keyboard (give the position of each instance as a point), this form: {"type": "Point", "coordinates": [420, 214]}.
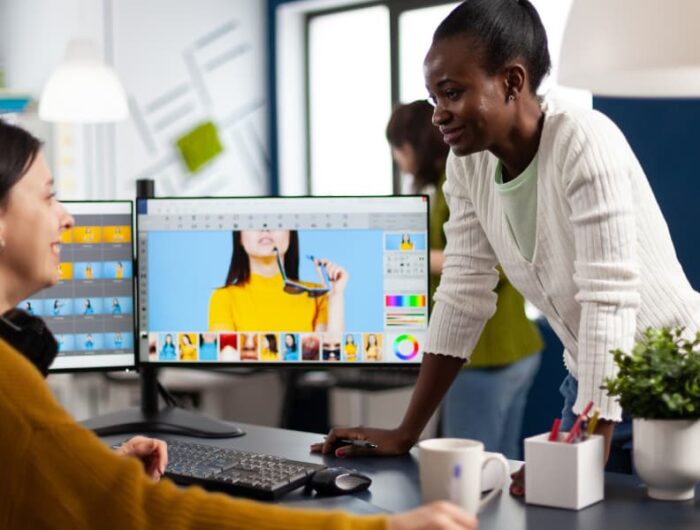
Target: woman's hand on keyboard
{"type": "Point", "coordinates": [151, 452]}
{"type": "Point", "coordinates": [436, 516]}
{"type": "Point", "coordinates": [389, 442]}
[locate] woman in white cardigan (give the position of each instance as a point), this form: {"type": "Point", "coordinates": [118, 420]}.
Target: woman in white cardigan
{"type": "Point", "coordinates": [558, 198]}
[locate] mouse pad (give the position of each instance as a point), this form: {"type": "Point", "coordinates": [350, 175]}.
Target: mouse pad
{"type": "Point", "coordinates": [344, 503]}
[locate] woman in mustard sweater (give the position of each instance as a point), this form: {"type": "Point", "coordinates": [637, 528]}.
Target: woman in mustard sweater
{"type": "Point", "coordinates": [263, 292]}
{"type": "Point", "coordinates": [59, 475]}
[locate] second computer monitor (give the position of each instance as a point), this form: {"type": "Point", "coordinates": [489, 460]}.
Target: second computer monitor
{"type": "Point", "coordinates": [307, 280]}
{"type": "Point", "coordinates": [90, 310]}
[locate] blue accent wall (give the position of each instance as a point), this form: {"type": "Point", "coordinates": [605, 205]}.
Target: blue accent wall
{"type": "Point", "coordinates": [665, 136]}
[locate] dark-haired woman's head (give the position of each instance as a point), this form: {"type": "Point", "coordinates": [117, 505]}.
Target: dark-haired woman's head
{"type": "Point", "coordinates": [260, 245]}
{"type": "Point", "coordinates": [291, 341]}
{"type": "Point", "coordinates": [271, 339]}
{"type": "Point", "coordinates": [31, 219]}
{"type": "Point", "coordinates": [19, 150]}
{"type": "Point", "coordinates": [482, 71]}
{"type": "Point", "coordinates": [501, 31]}
{"type": "Point", "coordinates": [417, 145]}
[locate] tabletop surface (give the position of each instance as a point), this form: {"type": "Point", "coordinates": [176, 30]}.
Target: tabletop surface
{"type": "Point", "coordinates": [395, 487]}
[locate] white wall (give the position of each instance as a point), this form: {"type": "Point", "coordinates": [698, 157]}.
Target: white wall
{"type": "Point", "coordinates": [156, 45]}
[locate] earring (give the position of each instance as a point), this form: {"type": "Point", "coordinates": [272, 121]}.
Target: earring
{"type": "Point", "coordinates": [511, 97]}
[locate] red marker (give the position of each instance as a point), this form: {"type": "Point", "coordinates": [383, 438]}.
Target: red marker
{"type": "Point", "coordinates": [554, 433]}
{"type": "Point", "coordinates": [577, 426]}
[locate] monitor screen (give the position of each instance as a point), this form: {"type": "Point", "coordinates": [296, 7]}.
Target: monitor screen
{"type": "Point", "coordinates": [91, 309]}
{"type": "Point", "coordinates": [307, 280]}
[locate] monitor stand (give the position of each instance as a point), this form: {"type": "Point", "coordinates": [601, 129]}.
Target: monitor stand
{"type": "Point", "coordinates": [149, 418]}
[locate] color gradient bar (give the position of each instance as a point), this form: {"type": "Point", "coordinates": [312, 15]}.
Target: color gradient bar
{"type": "Point", "coordinates": [404, 300]}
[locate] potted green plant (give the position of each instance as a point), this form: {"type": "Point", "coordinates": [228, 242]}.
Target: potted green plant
{"type": "Point", "coordinates": [658, 385]}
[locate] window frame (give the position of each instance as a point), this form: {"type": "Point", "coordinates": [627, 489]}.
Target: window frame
{"type": "Point", "coordinates": [396, 9]}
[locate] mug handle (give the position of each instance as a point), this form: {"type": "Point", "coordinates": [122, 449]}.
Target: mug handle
{"type": "Point", "coordinates": [506, 473]}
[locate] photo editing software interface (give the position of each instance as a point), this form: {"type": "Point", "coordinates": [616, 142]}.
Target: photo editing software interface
{"type": "Point", "coordinates": [90, 310]}
{"type": "Point", "coordinates": [283, 280]}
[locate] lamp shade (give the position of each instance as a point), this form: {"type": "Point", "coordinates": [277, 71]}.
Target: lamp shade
{"type": "Point", "coordinates": [83, 89]}
{"type": "Point", "coordinates": [637, 48]}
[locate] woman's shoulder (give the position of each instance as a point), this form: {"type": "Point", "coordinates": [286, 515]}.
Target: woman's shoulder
{"type": "Point", "coordinates": [226, 291]}
{"type": "Point", "coordinates": [565, 126]}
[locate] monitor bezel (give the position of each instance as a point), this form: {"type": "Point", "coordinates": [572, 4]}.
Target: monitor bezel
{"type": "Point", "coordinates": [137, 344]}
{"type": "Point", "coordinates": [310, 365]}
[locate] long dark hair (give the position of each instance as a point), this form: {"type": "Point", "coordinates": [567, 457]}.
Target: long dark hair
{"type": "Point", "coordinates": [271, 341]}
{"type": "Point", "coordinates": [412, 124]}
{"type": "Point", "coordinates": [239, 269]}
{"type": "Point", "coordinates": [502, 30]}
{"type": "Point", "coordinates": [293, 347]}
{"type": "Point", "coordinates": [19, 149]}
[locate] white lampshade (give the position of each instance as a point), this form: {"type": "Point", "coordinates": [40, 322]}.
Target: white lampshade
{"type": "Point", "coordinates": [83, 89]}
{"type": "Point", "coordinates": [637, 48]}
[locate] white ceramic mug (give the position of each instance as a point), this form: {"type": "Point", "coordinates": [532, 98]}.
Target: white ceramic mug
{"type": "Point", "coordinates": [451, 469]}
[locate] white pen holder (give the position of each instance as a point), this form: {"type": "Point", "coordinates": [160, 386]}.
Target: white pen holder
{"type": "Point", "coordinates": [564, 475]}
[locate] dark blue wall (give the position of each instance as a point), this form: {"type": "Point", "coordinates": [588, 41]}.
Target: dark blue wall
{"type": "Point", "coordinates": [665, 137]}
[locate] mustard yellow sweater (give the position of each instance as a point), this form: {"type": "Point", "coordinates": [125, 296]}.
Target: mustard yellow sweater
{"type": "Point", "coordinates": [58, 475]}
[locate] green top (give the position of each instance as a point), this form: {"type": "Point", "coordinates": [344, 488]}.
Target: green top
{"type": "Point", "coordinates": [509, 336]}
{"type": "Point", "coordinates": [519, 198]}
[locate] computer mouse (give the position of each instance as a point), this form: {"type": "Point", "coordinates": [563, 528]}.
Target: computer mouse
{"type": "Point", "coordinates": [338, 480]}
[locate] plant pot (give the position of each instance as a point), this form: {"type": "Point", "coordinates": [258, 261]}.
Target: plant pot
{"type": "Point", "coordinates": [667, 457]}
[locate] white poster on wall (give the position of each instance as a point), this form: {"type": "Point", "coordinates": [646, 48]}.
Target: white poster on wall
{"type": "Point", "coordinates": [195, 74]}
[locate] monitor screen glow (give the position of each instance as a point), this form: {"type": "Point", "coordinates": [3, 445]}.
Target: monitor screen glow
{"type": "Point", "coordinates": [307, 280]}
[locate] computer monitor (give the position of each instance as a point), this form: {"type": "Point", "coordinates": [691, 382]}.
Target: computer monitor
{"type": "Point", "coordinates": [302, 281]}
{"type": "Point", "coordinates": [90, 310]}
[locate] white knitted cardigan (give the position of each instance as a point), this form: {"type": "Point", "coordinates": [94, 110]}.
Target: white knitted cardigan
{"type": "Point", "coordinates": [604, 267]}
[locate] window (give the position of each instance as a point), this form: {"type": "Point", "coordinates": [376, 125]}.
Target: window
{"type": "Point", "coordinates": [349, 91]}
{"type": "Point", "coordinates": [416, 28]}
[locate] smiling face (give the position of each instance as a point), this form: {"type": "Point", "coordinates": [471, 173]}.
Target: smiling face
{"type": "Point", "coordinates": [472, 110]}
{"type": "Point", "coordinates": [31, 222]}
{"type": "Point", "coordinates": [261, 243]}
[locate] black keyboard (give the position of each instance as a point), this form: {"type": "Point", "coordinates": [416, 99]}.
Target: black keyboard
{"type": "Point", "coordinates": [239, 473]}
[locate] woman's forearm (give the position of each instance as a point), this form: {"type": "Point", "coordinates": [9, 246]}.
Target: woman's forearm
{"type": "Point", "coordinates": [436, 375]}
{"type": "Point", "coordinates": [437, 259]}
{"type": "Point", "coordinates": [336, 313]}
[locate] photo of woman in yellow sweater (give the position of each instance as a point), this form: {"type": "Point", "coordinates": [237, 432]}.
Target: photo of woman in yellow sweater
{"type": "Point", "coordinates": [263, 292]}
{"type": "Point", "coordinates": [188, 349]}
{"type": "Point", "coordinates": [350, 348]}
{"type": "Point", "coordinates": [406, 243]}
{"type": "Point", "coordinates": [268, 348]}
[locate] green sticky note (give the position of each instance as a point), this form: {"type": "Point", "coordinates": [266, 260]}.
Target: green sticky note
{"type": "Point", "coordinates": [200, 146]}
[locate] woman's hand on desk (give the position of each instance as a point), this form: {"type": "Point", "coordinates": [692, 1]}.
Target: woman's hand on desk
{"type": "Point", "coordinates": [389, 442]}
{"type": "Point", "coordinates": [151, 452]}
{"type": "Point", "coordinates": [435, 516]}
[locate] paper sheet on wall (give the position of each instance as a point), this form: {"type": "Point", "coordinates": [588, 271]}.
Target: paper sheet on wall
{"type": "Point", "coordinates": [185, 64]}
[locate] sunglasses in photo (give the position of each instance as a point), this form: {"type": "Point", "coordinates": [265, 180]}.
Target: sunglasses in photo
{"type": "Point", "coordinates": [312, 290]}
